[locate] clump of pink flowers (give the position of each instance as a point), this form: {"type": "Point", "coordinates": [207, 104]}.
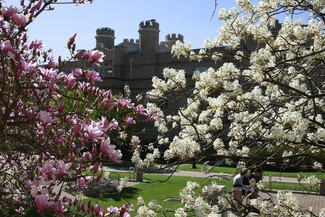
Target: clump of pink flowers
{"type": "Point", "coordinates": [54, 125]}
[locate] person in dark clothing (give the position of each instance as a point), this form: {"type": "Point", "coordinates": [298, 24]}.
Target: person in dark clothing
{"type": "Point", "coordinates": [249, 183]}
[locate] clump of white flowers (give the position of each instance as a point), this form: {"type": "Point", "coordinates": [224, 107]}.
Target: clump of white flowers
{"type": "Point", "coordinates": [318, 166]}
{"type": "Point", "coordinates": [149, 210]}
{"type": "Point", "coordinates": [241, 166]}
{"type": "Point", "coordinates": [205, 205]}
{"type": "Point", "coordinates": [263, 98]}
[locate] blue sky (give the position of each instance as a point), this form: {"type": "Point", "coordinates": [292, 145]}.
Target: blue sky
{"type": "Point", "coordinates": [191, 18]}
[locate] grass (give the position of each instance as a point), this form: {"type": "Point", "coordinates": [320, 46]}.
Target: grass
{"type": "Point", "coordinates": [155, 187]}
{"type": "Point", "coordinates": [232, 170]}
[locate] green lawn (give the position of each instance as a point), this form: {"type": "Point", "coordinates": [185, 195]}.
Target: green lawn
{"type": "Point", "coordinates": [232, 170]}
{"type": "Point", "coordinates": [156, 187]}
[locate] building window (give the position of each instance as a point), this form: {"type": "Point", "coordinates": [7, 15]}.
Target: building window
{"type": "Point", "coordinates": [105, 72]}
{"type": "Point", "coordinates": [109, 72]}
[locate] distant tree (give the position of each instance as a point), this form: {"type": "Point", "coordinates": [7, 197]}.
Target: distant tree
{"type": "Point", "coordinates": [263, 103]}
{"type": "Point", "coordinates": [54, 126]}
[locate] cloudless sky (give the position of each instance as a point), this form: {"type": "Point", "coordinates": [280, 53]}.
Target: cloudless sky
{"type": "Point", "coordinates": [191, 18]}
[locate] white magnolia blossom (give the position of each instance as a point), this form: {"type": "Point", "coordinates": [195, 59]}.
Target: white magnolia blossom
{"type": "Point", "coordinates": [183, 148]}
{"type": "Point", "coordinates": [318, 166]}
{"type": "Point", "coordinates": [286, 154]}
{"type": "Point", "coordinates": [322, 212]}
{"type": "Point", "coordinates": [198, 204]}
{"type": "Point", "coordinates": [287, 199]}
{"type": "Point", "coordinates": [313, 180]}
{"type": "Point", "coordinates": [180, 212]}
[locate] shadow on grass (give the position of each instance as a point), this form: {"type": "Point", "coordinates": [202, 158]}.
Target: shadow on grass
{"type": "Point", "coordinates": [126, 194]}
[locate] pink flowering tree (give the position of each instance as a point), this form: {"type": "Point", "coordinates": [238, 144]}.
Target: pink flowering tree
{"type": "Point", "coordinates": [54, 126]}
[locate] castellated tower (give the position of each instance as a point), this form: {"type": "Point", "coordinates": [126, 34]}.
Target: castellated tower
{"type": "Point", "coordinates": [149, 36]}
{"type": "Point", "coordinates": [105, 37]}
{"type": "Point", "coordinates": [171, 39]}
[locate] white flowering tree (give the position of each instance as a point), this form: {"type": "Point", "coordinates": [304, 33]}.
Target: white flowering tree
{"type": "Point", "coordinates": [263, 102]}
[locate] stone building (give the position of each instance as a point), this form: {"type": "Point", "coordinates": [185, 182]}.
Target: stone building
{"type": "Point", "coordinates": [134, 62]}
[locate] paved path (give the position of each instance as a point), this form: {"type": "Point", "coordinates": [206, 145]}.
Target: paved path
{"type": "Point", "coordinates": [311, 202]}
{"type": "Point", "coordinates": [266, 179]}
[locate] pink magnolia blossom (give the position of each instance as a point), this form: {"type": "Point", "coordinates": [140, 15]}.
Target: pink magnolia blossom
{"type": "Point", "coordinates": [35, 189]}
{"type": "Point", "coordinates": [94, 56]}
{"type": "Point", "coordinates": [52, 64]}
{"type": "Point", "coordinates": [87, 156]}
{"type": "Point", "coordinates": [42, 202]}
{"type": "Point", "coordinates": [94, 150]}
{"type": "Point", "coordinates": [93, 131]}
{"type": "Point", "coordinates": [113, 125]}
{"type": "Point", "coordinates": [139, 109]}
{"type": "Point", "coordinates": [19, 19]}
{"type": "Point", "coordinates": [46, 119]}
{"type": "Point", "coordinates": [83, 86]}
{"type": "Point", "coordinates": [5, 46]}
{"type": "Point", "coordinates": [52, 85]}
{"type": "Point", "coordinates": [49, 73]}
{"type": "Point", "coordinates": [97, 56]}
{"type": "Point", "coordinates": [128, 120]}
{"type": "Point", "coordinates": [99, 210]}
{"type": "Point", "coordinates": [96, 167]}
{"type": "Point", "coordinates": [82, 182]}
{"type": "Point", "coordinates": [61, 106]}
{"type": "Point", "coordinates": [20, 211]}
{"type": "Point", "coordinates": [72, 40]}
{"type": "Point", "coordinates": [153, 118]}
{"type": "Point", "coordinates": [10, 12]}
{"type": "Point", "coordinates": [81, 207]}
{"type": "Point", "coordinates": [78, 128]}
{"type": "Point", "coordinates": [29, 184]}
{"type": "Point", "coordinates": [71, 81]}
{"type": "Point", "coordinates": [62, 168]}
{"type": "Point", "coordinates": [48, 168]}
{"type": "Point", "coordinates": [108, 94]}
{"type": "Point", "coordinates": [104, 122]}
{"type": "Point", "coordinates": [36, 45]}
{"type": "Point", "coordinates": [113, 211]}
{"type": "Point", "coordinates": [38, 5]}
{"type": "Point", "coordinates": [76, 72]}
{"type": "Point", "coordinates": [125, 102]}
{"type": "Point", "coordinates": [106, 147]}
{"type": "Point", "coordinates": [59, 208]}
{"type": "Point", "coordinates": [125, 209]}
{"type": "Point", "coordinates": [93, 76]}
{"type": "Point", "coordinates": [28, 66]}
{"type": "Point", "coordinates": [115, 156]}
{"type": "Point", "coordinates": [107, 104]}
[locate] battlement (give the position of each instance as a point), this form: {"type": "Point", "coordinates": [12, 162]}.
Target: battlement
{"type": "Point", "coordinates": [149, 24]}
{"type": "Point", "coordinates": [126, 40]}
{"type": "Point", "coordinates": [174, 37]}
{"type": "Point", "coordinates": [105, 31]}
